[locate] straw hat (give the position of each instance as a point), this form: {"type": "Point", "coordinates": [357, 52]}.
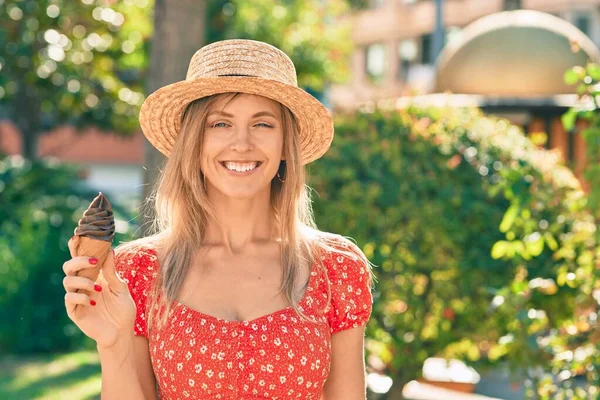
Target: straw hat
{"type": "Point", "coordinates": [238, 65]}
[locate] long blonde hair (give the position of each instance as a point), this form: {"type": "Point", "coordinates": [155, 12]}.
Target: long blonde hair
{"type": "Point", "coordinates": [180, 196]}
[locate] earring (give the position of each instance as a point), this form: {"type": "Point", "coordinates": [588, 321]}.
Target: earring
{"type": "Point", "coordinates": [279, 177]}
{"type": "Point", "coordinates": [282, 169]}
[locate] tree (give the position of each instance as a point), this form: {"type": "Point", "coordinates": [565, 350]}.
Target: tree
{"type": "Point", "coordinates": [587, 79]}
{"type": "Point", "coordinates": [72, 62]}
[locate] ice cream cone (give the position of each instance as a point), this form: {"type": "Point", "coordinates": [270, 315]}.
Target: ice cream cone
{"type": "Point", "coordinates": [96, 230]}
{"type": "Point", "coordinates": [89, 247]}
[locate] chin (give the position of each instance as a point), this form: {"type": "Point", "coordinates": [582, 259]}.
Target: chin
{"type": "Point", "coordinates": [241, 195]}
{"type": "Point", "coordinates": [242, 192]}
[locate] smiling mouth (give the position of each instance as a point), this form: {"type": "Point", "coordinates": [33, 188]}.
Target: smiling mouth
{"type": "Point", "coordinates": [237, 166]}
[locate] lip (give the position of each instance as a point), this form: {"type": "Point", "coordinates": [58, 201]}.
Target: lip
{"type": "Point", "coordinates": [236, 173]}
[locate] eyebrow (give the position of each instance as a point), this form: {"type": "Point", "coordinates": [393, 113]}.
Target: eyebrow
{"type": "Point", "coordinates": [258, 114]}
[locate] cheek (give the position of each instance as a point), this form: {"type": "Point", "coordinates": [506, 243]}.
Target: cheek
{"type": "Point", "coordinates": [277, 145]}
{"type": "Point", "coordinates": [209, 151]}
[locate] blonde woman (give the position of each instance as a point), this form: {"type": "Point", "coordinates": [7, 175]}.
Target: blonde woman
{"type": "Point", "coordinates": [237, 295]}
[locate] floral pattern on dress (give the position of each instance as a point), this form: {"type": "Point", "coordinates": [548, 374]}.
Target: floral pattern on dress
{"type": "Point", "coordinates": [276, 356]}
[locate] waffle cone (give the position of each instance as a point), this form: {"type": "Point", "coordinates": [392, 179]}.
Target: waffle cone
{"type": "Point", "coordinates": [92, 248]}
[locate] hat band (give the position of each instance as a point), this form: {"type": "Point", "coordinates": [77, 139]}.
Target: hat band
{"type": "Point", "coordinates": [251, 76]}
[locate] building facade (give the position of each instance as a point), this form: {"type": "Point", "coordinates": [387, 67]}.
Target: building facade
{"type": "Point", "coordinates": [109, 163]}
{"type": "Point", "coordinates": [393, 40]}
{"type": "Point", "coordinates": [396, 57]}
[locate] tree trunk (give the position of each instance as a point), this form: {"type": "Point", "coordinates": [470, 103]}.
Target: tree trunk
{"type": "Point", "coordinates": [26, 113]}
{"type": "Point", "coordinates": [178, 33]}
{"type": "Point", "coordinates": [30, 140]}
{"type": "Point", "coordinates": [395, 393]}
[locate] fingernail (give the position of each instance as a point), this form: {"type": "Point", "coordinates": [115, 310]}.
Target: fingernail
{"type": "Point", "coordinates": [97, 288]}
{"type": "Point", "coordinates": [93, 302]}
{"type": "Point", "coordinates": [93, 260]}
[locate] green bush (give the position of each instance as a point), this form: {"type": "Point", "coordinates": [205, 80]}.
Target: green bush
{"type": "Point", "coordinates": [482, 240]}
{"type": "Point", "coordinates": [40, 204]}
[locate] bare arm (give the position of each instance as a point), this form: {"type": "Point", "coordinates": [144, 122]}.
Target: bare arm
{"type": "Point", "coordinates": [346, 380]}
{"type": "Point", "coordinates": [127, 371]}
{"type": "Point", "coordinates": [105, 311]}
{"type": "Point", "coordinates": [144, 367]}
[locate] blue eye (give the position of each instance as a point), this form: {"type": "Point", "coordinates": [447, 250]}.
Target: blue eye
{"type": "Point", "coordinates": [225, 124]}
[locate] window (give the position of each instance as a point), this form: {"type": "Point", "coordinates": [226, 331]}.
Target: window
{"type": "Point", "coordinates": [408, 50]}
{"type": "Point", "coordinates": [510, 5]}
{"type": "Point", "coordinates": [376, 62]}
{"type": "Point", "coordinates": [426, 43]}
{"type": "Point", "coordinates": [583, 23]}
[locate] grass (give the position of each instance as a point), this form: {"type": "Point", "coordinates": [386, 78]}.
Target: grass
{"type": "Point", "coordinates": [73, 376]}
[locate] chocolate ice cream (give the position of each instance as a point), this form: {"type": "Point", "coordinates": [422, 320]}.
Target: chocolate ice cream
{"type": "Point", "coordinates": [98, 221]}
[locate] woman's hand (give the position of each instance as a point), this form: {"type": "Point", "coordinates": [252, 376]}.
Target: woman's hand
{"type": "Point", "coordinates": [103, 315]}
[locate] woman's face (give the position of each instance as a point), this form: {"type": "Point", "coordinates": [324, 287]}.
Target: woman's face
{"type": "Point", "coordinates": [243, 145]}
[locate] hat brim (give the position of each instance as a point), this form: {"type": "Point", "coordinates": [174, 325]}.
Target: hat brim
{"type": "Point", "coordinates": [161, 112]}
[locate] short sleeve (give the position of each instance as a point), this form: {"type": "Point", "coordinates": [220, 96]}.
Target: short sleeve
{"type": "Point", "coordinates": [350, 279]}
{"type": "Point", "coordinates": [138, 268]}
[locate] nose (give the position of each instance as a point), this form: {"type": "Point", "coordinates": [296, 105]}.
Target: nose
{"type": "Point", "coordinates": [242, 141]}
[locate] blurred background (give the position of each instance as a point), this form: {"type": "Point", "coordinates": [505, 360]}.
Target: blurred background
{"type": "Point", "coordinates": [466, 165]}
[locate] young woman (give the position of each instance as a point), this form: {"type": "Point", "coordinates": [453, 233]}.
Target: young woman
{"type": "Point", "coordinates": [237, 295]}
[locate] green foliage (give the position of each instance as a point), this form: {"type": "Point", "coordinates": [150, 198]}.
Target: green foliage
{"type": "Point", "coordinates": [483, 244]}
{"type": "Point", "coordinates": [78, 62]}
{"type": "Point", "coordinates": [40, 205]}
{"type": "Point", "coordinates": [587, 80]}
{"type": "Point", "coordinates": [304, 30]}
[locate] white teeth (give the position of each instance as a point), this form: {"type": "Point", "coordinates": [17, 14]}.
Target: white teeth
{"type": "Point", "coordinates": [240, 167]}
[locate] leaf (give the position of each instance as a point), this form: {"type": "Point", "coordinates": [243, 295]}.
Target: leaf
{"type": "Point", "coordinates": [520, 249]}
{"type": "Point", "coordinates": [593, 70]}
{"type": "Point", "coordinates": [535, 248]}
{"type": "Point", "coordinates": [568, 119]}
{"type": "Point", "coordinates": [551, 241]}
{"type": "Point", "coordinates": [509, 218]}
{"type": "Point", "coordinates": [500, 249]}
{"type": "Point", "coordinates": [572, 76]}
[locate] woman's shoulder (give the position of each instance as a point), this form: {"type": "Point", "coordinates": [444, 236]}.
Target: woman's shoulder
{"type": "Point", "coordinates": [335, 245]}
{"type": "Point", "coordinates": [350, 278]}
{"type": "Point", "coordinates": [341, 255]}
{"type": "Point", "coordinates": [137, 257]}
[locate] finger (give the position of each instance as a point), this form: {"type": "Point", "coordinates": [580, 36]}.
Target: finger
{"type": "Point", "coordinates": [73, 300]}
{"type": "Point", "coordinates": [73, 245]}
{"type": "Point", "coordinates": [74, 265]}
{"type": "Point", "coordinates": [74, 283]}
{"type": "Point", "coordinates": [109, 273]}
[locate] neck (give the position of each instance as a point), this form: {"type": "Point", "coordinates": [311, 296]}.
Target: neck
{"type": "Point", "coordinates": [238, 223]}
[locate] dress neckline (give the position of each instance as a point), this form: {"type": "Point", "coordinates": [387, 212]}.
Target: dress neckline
{"type": "Point", "coordinates": [301, 303]}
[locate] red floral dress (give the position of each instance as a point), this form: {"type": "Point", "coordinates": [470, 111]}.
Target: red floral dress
{"type": "Point", "coordinates": [276, 356]}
